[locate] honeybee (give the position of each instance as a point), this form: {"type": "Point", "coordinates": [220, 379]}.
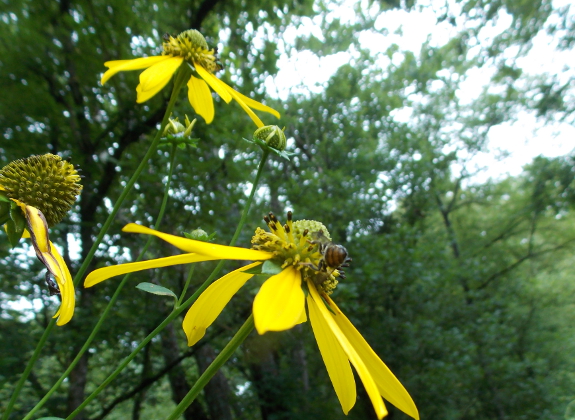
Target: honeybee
{"type": "Point", "coordinates": [334, 256]}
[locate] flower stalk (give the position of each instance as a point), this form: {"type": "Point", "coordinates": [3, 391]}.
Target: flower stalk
{"type": "Point", "coordinates": [213, 368]}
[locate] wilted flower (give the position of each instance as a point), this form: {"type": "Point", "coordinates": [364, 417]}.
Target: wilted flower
{"type": "Point", "coordinates": [37, 192]}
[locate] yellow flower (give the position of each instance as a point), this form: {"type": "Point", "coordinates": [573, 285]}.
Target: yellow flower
{"type": "Point", "coordinates": [188, 47]}
{"type": "Point", "coordinates": [303, 264]}
{"type": "Point", "coordinates": [44, 188]}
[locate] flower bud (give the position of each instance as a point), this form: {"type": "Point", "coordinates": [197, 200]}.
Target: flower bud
{"type": "Point", "coordinates": [199, 235]}
{"type": "Point", "coordinates": [272, 135]}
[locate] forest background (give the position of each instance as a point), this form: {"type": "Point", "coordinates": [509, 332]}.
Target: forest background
{"type": "Point", "coordinates": [464, 288]}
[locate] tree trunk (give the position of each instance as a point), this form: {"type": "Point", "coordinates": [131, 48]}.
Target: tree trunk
{"type": "Point", "coordinates": [177, 377]}
{"type": "Point", "coordinates": [217, 392]}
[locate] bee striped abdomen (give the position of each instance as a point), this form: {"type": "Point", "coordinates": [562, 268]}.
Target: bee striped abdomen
{"type": "Point", "coordinates": [335, 255]}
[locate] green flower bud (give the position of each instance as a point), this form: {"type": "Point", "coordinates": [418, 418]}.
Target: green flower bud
{"type": "Point", "coordinates": [272, 135]}
{"type": "Point", "coordinates": [199, 235]}
{"type": "Point", "coordinates": [174, 128]}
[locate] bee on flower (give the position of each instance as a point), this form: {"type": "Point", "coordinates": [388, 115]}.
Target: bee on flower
{"type": "Point", "coordinates": [302, 277]}
{"type": "Point", "coordinates": [187, 49]}
{"type": "Point", "coordinates": [35, 194]}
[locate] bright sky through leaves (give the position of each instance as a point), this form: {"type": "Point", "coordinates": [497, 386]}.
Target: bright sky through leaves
{"type": "Point", "coordinates": [511, 145]}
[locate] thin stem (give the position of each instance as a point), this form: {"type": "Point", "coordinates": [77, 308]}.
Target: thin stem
{"type": "Point", "coordinates": [186, 285]}
{"type": "Point", "coordinates": [212, 369]}
{"type": "Point", "coordinates": [184, 305]}
{"type": "Point", "coordinates": [177, 86]}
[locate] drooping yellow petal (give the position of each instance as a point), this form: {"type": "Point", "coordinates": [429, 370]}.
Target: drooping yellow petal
{"type": "Point", "coordinates": [246, 108]}
{"type": "Point", "coordinates": [156, 77]}
{"type": "Point", "coordinates": [204, 248]}
{"type": "Point", "coordinates": [66, 286]}
{"type": "Point", "coordinates": [389, 386]}
{"type": "Point", "coordinates": [216, 84]}
{"type": "Point", "coordinates": [126, 65]}
{"type": "Point", "coordinates": [51, 258]}
{"type": "Point", "coordinates": [38, 228]}
{"type": "Point", "coordinates": [279, 304]}
{"type": "Point", "coordinates": [334, 357]}
{"type": "Point", "coordinates": [255, 104]}
{"type": "Point", "coordinates": [358, 364]}
{"type": "Point", "coordinates": [212, 302]}
{"type": "Point", "coordinates": [105, 273]}
{"type": "Point", "coordinates": [201, 99]}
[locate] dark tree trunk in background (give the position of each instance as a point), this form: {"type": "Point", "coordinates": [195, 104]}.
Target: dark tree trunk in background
{"type": "Point", "coordinates": [177, 377]}
{"type": "Point", "coordinates": [77, 380]}
{"type": "Point", "coordinates": [217, 392]}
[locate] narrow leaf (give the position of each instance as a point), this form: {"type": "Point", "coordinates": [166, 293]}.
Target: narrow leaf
{"type": "Point", "coordinates": [155, 289]}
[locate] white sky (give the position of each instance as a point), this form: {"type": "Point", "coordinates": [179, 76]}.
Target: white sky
{"type": "Point", "coordinates": [520, 141]}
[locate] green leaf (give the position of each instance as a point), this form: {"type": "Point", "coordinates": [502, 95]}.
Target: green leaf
{"type": "Point", "coordinates": [254, 270]}
{"type": "Point", "coordinates": [155, 289]}
{"type": "Point", "coordinates": [326, 305]}
{"type": "Point", "coordinates": [51, 418]}
{"type": "Point", "coordinates": [270, 267]}
{"type": "Point", "coordinates": [15, 225]}
{"type": "Point", "coordinates": [4, 211]}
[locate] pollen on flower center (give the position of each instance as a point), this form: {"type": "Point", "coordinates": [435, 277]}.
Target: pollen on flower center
{"type": "Point", "coordinates": [298, 243]}
{"type": "Point", "coordinates": [46, 182]}
{"type": "Point", "coordinates": [192, 45]}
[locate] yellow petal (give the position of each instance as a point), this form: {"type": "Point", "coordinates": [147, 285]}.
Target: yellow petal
{"type": "Point", "coordinates": [302, 318]}
{"type": "Point", "coordinates": [255, 104]}
{"type": "Point", "coordinates": [156, 77]}
{"type": "Point", "coordinates": [51, 258]}
{"type": "Point", "coordinates": [189, 245]}
{"type": "Point", "coordinates": [389, 386]}
{"type": "Point", "coordinates": [334, 357]}
{"type": "Point", "coordinates": [66, 286]}
{"type": "Point", "coordinates": [358, 364]}
{"type": "Point", "coordinates": [38, 228]}
{"type": "Point", "coordinates": [280, 302]}
{"type": "Point", "coordinates": [126, 65]}
{"type": "Point", "coordinates": [105, 273]}
{"type": "Point", "coordinates": [251, 113]}
{"type": "Point", "coordinates": [201, 99]}
{"type": "Point", "coordinates": [211, 303]}
{"type": "Point", "coordinates": [216, 84]}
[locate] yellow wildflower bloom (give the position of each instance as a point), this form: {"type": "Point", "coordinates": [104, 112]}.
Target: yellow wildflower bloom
{"type": "Point", "coordinates": [44, 188]}
{"type": "Point", "coordinates": [280, 302]}
{"type": "Point", "coordinates": [188, 47]}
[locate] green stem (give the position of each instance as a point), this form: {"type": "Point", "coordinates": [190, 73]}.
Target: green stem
{"type": "Point", "coordinates": [186, 285]}
{"type": "Point", "coordinates": [112, 300]}
{"type": "Point", "coordinates": [212, 369]}
{"type": "Point", "coordinates": [182, 307]}
{"type": "Point", "coordinates": [178, 84]}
